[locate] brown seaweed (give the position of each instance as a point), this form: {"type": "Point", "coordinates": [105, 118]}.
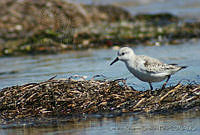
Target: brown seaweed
{"type": "Point", "coordinates": [68, 97]}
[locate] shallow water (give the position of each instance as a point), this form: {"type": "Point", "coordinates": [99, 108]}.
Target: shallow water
{"type": "Point", "coordinates": [26, 69]}
{"type": "Point", "coordinates": [179, 124]}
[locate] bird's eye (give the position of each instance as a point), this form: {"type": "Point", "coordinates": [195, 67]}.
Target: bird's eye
{"type": "Point", "coordinates": [123, 53]}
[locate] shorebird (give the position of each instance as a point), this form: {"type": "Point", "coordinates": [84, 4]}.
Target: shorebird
{"type": "Point", "coordinates": [146, 68]}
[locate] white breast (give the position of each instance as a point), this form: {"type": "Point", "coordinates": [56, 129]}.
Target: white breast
{"type": "Point", "coordinates": [146, 76]}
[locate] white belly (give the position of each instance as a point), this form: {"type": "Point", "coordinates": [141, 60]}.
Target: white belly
{"type": "Point", "coordinates": [147, 77]}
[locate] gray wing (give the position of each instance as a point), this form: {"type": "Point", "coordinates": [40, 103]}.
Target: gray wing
{"type": "Point", "coordinates": [153, 65]}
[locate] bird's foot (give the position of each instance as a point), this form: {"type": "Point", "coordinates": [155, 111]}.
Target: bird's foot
{"type": "Point", "coordinates": [163, 87]}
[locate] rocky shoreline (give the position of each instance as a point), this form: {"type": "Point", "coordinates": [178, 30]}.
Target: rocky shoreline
{"type": "Point", "coordinates": [55, 26]}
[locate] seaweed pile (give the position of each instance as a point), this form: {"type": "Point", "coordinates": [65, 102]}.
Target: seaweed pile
{"type": "Point", "coordinates": [68, 97]}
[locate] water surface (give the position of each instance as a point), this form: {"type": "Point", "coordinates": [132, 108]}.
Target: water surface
{"type": "Point", "coordinates": [26, 69]}
{"type": "Point", "coordinates": [179, 124]}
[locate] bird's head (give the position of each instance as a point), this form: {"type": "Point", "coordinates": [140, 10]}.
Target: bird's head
{"type": "Point", "coordinates": [124, 54]}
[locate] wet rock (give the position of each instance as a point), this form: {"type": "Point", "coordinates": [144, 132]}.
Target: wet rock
{"type": "Point", "coordinates": [54, 26]}
{"type": "Point", "coordinates": [157, 19]}
{"type": "Point", "coordinates": [35, 20]}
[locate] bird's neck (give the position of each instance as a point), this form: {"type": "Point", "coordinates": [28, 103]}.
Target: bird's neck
{"type": "Point", "coordinates": [131, 61]}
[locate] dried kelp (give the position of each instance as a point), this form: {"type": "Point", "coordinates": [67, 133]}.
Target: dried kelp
{"type": "Point", "coordinates": [68, 97]}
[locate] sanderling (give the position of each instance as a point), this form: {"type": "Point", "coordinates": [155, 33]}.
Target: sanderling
{"type": "Point", "coordinates": [145, 68]}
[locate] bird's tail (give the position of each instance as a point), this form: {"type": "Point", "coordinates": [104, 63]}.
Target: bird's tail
{"type": "Point", "coordinates": [182, 67]}
{"type": "Point", "coordinates": [178, 68]}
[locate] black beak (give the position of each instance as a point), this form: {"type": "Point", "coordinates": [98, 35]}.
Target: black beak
{"type": "Point", "coordinates": [114, 61]}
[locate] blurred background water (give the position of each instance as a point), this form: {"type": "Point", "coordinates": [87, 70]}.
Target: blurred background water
{"type": "Point", "coordinates": [189, 8]}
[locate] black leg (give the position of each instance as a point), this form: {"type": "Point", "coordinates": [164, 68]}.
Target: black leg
{"type": "Point", "coordinates": [165, 83]}
{"type": "Point", "coordinates": [151, 87]}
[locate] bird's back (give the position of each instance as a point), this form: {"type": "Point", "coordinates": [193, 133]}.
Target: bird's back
{"type": "Point", "coordinates": [153, 65]}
